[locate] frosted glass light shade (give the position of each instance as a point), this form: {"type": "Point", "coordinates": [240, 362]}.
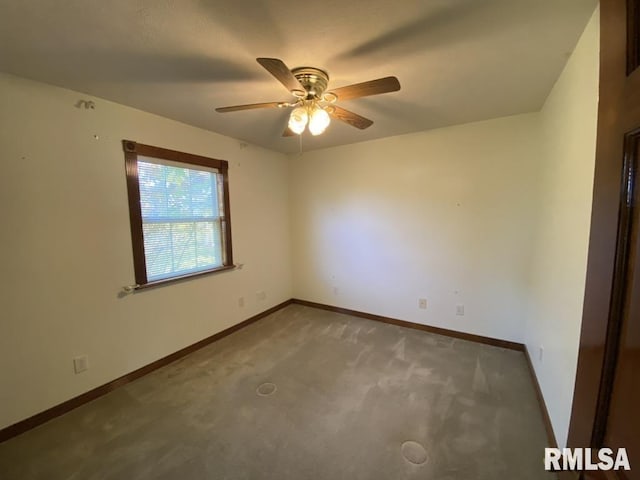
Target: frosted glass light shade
{"type": "Point", "coordinates": [298, 120]}
{"type": "Point", "coordinates": [319, 121]}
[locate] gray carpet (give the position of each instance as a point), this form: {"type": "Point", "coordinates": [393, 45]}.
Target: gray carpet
{"type": "Point", "coordinates": [304, 394]}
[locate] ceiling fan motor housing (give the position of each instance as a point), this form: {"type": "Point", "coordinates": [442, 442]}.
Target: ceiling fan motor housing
{"type": "Point", "coordinates": [313, 80]}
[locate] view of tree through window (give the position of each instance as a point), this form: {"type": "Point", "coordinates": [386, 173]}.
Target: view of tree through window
{"type": "Point", "coordinates": [181, 219]}
{"type": "Point", "coordinates": [181, 215]}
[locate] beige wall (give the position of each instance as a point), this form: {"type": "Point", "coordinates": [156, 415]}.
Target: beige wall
{"type": "Point", "coordinates": [492, 215]}
{"type": "Point", "coordinates": [443, 215]}
{"type": "Point", "coordinates": [66, 246]}
{"type": "Point", "coordinates": [558, 264]}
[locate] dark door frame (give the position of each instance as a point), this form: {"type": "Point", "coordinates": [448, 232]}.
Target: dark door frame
{"type": "Point", "coordinates": [609, 242]}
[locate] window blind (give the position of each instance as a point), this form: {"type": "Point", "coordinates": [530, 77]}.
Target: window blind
{"type": "Point", "coordinates": [181, 217]}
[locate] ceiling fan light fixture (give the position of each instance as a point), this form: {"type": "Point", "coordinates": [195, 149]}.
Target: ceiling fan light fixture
{"type": "Point", "coordinates": [314, 105]}
{"type": "Point", "coordinates": [298, 120]}
{"type": "Point", "coordinates": [319, 121]}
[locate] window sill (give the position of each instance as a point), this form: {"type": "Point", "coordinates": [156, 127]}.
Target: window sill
{"type": "Point", "coordinates": [182, 278]}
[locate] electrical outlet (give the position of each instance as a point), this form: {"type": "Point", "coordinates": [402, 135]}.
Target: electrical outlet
{"type": "Point", "coordinates": [241, 302]}
{"type": "Point", "coordinates": [81, 363]}
{"type": "Point", "coordinates": [422, 303]}
{"type": "Point", "coordinates": [460, 309]}
{"type": "Point", "coordinates": [540, 353]}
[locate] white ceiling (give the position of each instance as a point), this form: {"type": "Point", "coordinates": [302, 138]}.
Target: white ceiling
{"type": "Point", "coordinates": [457, 60]}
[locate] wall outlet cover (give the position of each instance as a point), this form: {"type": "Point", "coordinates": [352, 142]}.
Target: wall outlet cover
{"type": "Point", "coordinates": [81, 363]}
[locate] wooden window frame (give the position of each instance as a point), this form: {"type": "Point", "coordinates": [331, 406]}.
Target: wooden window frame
{"type": "Point", "coordinates": [131, 151]}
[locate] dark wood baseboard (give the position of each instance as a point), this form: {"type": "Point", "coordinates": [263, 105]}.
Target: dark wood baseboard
{"type": "Point", "coordinates": [64, 407]}
{"type": "Point", "coordinates": [42, 417]}
{"type": "Point", "coordinates": [551, 437]}
{"type": "Point", "coordinates": [416, 326]}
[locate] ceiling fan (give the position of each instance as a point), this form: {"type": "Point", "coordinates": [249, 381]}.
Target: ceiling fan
{"type": "Point", "coordinates": [313, 104]}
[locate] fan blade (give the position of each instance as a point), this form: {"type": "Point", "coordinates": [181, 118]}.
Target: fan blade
{"type": "Point", "coordinates": [250, 106]}
{"type": "Point", "coordinates": [364, 89]}
{"type": "Point", "coordinates": [351, 118]}
{"type": "Point", "coordinates": [278, 69]}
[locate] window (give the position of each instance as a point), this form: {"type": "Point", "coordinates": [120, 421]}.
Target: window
{"type": "Point", "coordinates": [179, 213]}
